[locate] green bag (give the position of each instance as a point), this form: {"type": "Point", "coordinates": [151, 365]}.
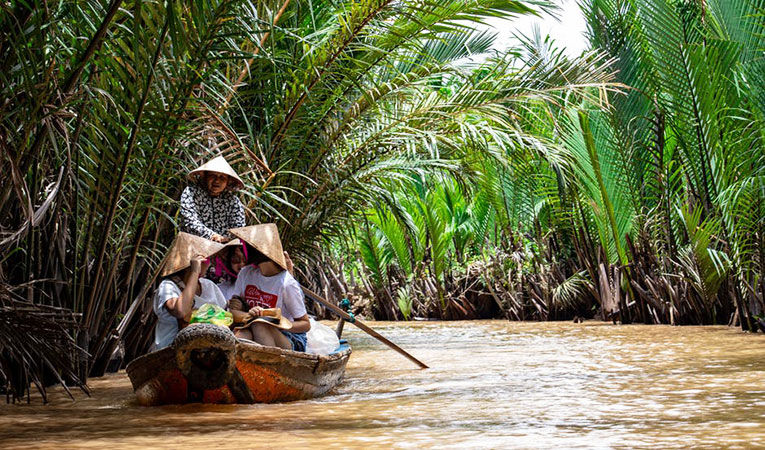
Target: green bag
{"type": "Point", "coordinates": [214, 314]}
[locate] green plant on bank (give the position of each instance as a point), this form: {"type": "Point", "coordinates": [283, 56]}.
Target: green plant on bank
{"type": "Point", "coordinates": [693, 123]}
{"type": "Point", "coordinates": [404, 302]}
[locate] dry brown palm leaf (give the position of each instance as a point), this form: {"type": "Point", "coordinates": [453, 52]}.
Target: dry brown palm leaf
{"type": "Point", "coordinates": [48, 354]}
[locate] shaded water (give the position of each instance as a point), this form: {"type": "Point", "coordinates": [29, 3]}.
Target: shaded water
{"type": "Point", "coordinates": [491, 384]}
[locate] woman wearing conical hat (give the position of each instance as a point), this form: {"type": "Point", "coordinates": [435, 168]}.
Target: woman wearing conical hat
{"type": "Point", "coordinates": [266, 286]}
{"type": "Point", "coordinates": [183, 289]}
{"type": "Point", "coordinates": [209, 205]}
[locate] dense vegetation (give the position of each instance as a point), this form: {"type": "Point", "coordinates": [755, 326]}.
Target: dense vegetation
{"type": "Point", "coordinates": [649, 208]}
{"type": "Point", "coordinates": [627, 182]}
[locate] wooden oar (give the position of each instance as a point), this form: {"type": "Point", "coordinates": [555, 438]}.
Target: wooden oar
{"type": "Point", "coordinates": [361, 325]}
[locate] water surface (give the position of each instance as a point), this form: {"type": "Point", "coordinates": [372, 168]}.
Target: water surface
{"type": "Point", "coordinates": [491, 384]}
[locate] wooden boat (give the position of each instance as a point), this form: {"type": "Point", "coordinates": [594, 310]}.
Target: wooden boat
{"type": "Point", "coordinates": [206, 363]}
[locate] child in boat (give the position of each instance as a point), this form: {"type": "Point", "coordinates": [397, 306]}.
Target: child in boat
{"type": "Point", "coordinates": [267, 284]}
{"type": "Point", "coordinates": [209, 205]}
{"type": "Point", "coordinates": [183, 289]}
{"type": "Point", "coordinates": [232, 261]}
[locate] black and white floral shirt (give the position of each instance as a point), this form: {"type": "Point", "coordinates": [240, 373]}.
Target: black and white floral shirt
{"type": "Point", "coordinates": [205, 215]}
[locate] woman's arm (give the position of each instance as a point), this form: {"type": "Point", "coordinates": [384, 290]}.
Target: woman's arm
{"type": "Point", "coordinates": [300, 324]}
{"type": "Point", "coordinates": [236, 307]}
{"type": "Point", "coordinates": [181, 307]}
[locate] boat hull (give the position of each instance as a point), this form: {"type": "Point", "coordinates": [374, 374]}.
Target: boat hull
{"type": "Point", "coordinates": [259, 374]}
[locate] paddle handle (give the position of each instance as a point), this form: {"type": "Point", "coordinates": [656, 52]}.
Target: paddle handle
{"type": "Point", "coordinates": [363, 326]}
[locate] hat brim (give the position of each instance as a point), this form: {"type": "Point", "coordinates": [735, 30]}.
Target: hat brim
{"type": "Point", "coordinates": [265, 239]}
{"type": "Point", "coordinates": [233, 185]}
{"type": "Point", "coordinates": [281, 323]}
{"type": "Point", "coordinates": [218, 165]}
{"type": "Point", "coordinates": [233, 243]}
{"type": "Point", "coordinates": [184, 247]}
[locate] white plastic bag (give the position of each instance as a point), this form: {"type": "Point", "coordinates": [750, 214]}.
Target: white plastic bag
{"type": "Point", "coordinates": [321, 339]}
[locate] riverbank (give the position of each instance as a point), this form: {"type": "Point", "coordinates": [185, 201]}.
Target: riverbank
{"type": "Point", "coordinates": [491, 384]}
{"type": "Point", "coordinates": [509, 282]}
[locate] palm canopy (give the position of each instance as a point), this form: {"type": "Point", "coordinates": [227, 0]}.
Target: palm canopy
{"type": "Point", "coordinates": [383, 96]}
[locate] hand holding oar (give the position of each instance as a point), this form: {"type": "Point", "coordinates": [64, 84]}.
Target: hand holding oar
{"type": "Point", "coordinates": [361, 325]}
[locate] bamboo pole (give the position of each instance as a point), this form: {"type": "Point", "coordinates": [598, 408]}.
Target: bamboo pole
{"type": "Point", "coordinates": [347, 317]}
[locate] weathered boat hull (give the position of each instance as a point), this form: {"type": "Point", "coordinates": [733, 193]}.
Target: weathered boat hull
{"type": "Point", "coordinates": [256, 374]}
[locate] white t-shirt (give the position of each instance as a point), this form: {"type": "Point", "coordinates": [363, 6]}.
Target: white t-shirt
{"type": "Point", "coordinates": [226, 288]}
{"type": "Point", "coordinates": [167, 324]}
{"type": "Point", "coordinates": [279, 291]}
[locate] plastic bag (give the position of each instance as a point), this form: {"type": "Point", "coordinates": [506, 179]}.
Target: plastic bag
{"type": "Point", "coordinates": [321, 339]}
{"type": "Point", "coordinates": [214, 314]}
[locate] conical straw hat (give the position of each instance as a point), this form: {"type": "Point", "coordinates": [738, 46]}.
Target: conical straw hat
{"type": "Point", "coordinates": [233, 243]}
{"type": "Point", "coordinates": [186, 246]}
{"type": "Point", "coordinates": [265, 239]}
{"type": "Point", "coordinates": [271, 317]}
{"type": "Point", "coordinates": [219, 165]}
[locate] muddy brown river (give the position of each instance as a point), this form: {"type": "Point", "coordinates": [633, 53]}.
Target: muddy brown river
{"type": "Point", "coordinates": [492, 384]}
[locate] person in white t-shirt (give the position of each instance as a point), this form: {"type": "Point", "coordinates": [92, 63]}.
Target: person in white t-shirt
{"type": "Point", "coordinates": [266, 284]}
{"type": "Point", "coordinates": [183, 289]}
{"type": "Point", "coordinates": [232, 260]}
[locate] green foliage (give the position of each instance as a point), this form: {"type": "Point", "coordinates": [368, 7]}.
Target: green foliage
{"type": "Point", "coordinates": [696, 71]}
{"type": "Point", "coordinates": [373, 253]}
{"type": "Point", "coordinates": [395, 239]}
{"type": "Point", "coordinates": [705, 266]}
{"type": "Point", "coordinates": [569, 294]}
{"type": "Point", "coordinates": [597, 169]}
{"type": "Point", "coordinates": [404, 301]}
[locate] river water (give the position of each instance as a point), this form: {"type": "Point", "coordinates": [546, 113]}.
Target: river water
{"type": "Point", "coordinates": [492, 384]}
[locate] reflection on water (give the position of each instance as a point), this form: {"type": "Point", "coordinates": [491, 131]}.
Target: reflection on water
{"type": "Point", "coordinates": [491, 384]}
